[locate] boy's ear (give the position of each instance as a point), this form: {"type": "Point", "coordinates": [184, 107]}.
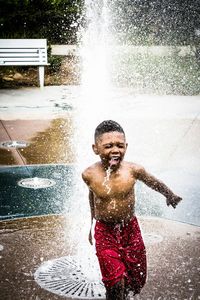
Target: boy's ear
{"type": "Point", "coordinates": [94, 147]}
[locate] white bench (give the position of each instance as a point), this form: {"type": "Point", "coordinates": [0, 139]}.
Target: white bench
{"type": "Point", "coordinates": [24, 52]}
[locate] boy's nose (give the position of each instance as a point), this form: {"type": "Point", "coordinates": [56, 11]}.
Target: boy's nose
{"type": "Point", "coordinates": [115, 149]}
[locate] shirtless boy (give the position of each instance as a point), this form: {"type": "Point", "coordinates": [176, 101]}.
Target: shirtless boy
{"type": "Point", "coordinates": [119, 244]}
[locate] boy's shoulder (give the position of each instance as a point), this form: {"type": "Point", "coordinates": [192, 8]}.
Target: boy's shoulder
{"type": "Point", "coordinates": [89, 171]}
{"type": "Point", "coordinates": [92, 168]}
{"type": "Point", "coordinates": [135, 168]}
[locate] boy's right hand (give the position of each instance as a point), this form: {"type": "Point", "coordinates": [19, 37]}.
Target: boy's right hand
{"type": "Point", "coordinates": [90, 238]}
{"type": "Point", "coordinates": [173, 200]}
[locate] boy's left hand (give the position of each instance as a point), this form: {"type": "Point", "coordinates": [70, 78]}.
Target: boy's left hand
{"type": "Point", "coordinates": [173, 200]}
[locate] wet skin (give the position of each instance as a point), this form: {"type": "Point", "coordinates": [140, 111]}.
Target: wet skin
{"type": "Point", "coordinates": [114, 201]}
{"type": "Point", "coordinates": [117, 203]}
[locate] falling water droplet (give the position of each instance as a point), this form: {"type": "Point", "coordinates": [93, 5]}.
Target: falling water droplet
{"type": "Point", "coordinates": [106, 180]}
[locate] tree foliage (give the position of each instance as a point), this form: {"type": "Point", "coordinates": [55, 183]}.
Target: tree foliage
{"type": "Point", "coordinates": [134, 21]}
{"type": "Point", "coordinates": [56, 20]}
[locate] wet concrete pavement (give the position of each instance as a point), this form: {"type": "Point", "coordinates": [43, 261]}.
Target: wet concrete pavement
{"type": "Point", "coordinates": [48, 141]}
{"type": "Point", "coordinates": [173, 262]}
{"type": "Point", "coordinates": [163, 133]}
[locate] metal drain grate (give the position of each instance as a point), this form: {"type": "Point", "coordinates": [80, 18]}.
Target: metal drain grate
{"type": "Point", "coordinates": [65, 277]}
{"type": "Point", "coordinates": [36, 183]}
{"type": "Point", "coordinates": [14, 144]}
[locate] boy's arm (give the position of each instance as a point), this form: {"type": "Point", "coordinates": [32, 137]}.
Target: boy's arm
{"type": "Point", "coordinates": [91, 201]}
{"type": "Point", "coordinates": [159, 186]}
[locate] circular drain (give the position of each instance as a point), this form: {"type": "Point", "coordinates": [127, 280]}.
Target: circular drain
{"type": "Point", "coordinates": [65, 276]}
{"type": "Point", "coordinates": [14, 144]}
{"type": "Point", "coordinates": [36, 183]}
{"type": "Point", "coordinates": [152, 238]}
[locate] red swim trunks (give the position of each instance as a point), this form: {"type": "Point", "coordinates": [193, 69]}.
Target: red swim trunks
{"type": "Point", "coordinates": [121, 253]}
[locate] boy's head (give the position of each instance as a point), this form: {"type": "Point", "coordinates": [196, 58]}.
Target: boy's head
{"type": "Point", "coordinates": [110, 143]}
{"type": "Point", "coordinates": [107, 126]}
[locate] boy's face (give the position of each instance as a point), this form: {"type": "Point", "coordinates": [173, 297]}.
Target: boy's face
{"type": "Point", "coordinates": [111, 147]}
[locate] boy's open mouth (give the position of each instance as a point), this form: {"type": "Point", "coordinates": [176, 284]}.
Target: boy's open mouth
{"type": "Point", "coordinates": [114, 160]}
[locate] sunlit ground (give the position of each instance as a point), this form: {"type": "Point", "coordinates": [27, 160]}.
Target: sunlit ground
{"type": "Point", "coordinates": [162, 133]}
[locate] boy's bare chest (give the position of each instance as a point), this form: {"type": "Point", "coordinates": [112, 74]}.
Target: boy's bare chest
{"type": "Point", "coordinates": [116, 186]}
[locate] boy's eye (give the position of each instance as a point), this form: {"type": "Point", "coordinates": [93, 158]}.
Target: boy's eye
{"type": "Point", "coordinates": [110, 146]}
{"type": "Point", "coordinates": [120, 146]}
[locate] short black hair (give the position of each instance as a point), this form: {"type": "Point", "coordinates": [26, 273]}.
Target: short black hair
{"type": "Point", "coordinates": [107, 126]}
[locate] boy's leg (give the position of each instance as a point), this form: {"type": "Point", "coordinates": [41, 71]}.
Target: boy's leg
{"type": "Point", "coordinates": [110, 261]}
{"type": "Point", "coordinates": [135, 258]}
{"type": "Point", "coordinates": [116, 292]}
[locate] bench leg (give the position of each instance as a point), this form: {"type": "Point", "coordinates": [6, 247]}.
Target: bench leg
{"type": "Point", "coordinates": [41, 76]}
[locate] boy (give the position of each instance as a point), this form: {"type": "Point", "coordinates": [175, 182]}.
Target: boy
{"type": "Point", "coordinates": [119, 244]}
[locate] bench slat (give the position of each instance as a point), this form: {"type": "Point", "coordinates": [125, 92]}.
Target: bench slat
{"type": "Point", "coordinates": [23, 63]}
{"type": "Point", "coordinates": [38, 58]}
{"type": "Point", "coordinates": [25, 43]}
{"type": "Point", "coordinates": [19, 55]}
{"type": "Point", "coordinates": [21, 50]}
